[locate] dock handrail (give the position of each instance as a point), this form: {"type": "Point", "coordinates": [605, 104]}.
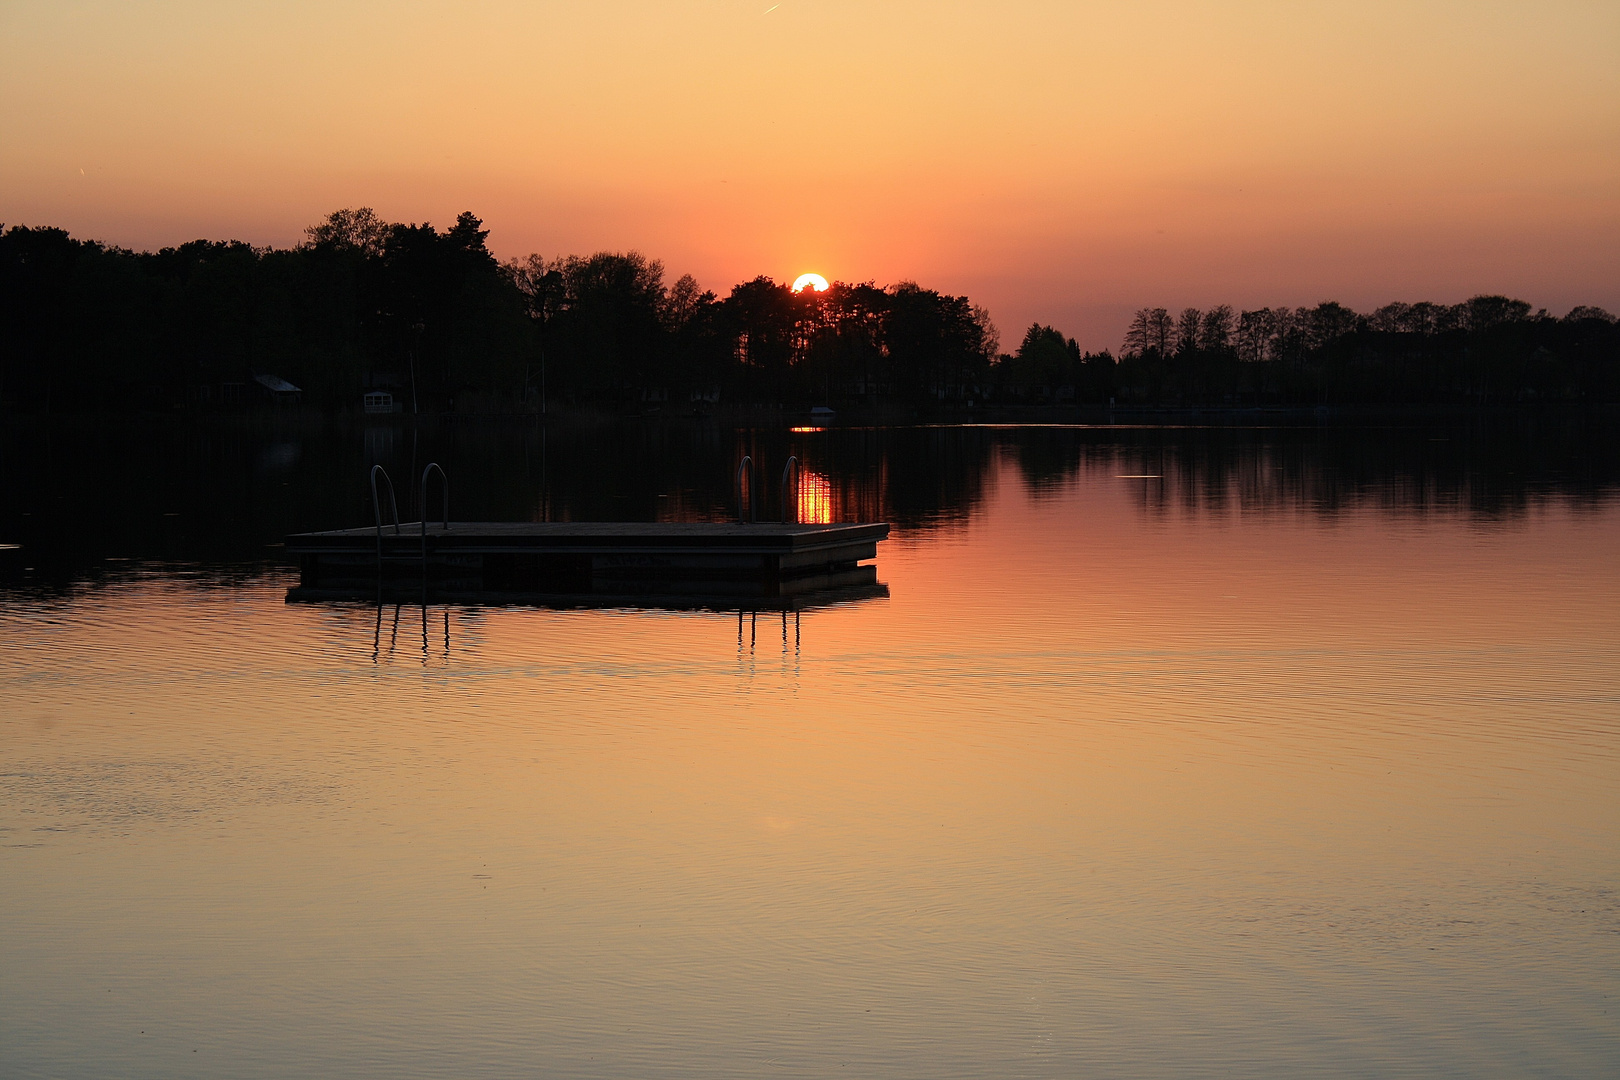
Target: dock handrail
{"type": "Point", "coordinates": [444, 484]}
{"type": "Point", "coordinates": [790, 507]}
{"type": "Point", "coordinates": [376, 506]}
{"type": "Point", "coordinates": [746, 468]}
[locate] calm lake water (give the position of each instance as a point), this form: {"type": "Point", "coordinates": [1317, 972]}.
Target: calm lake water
{"type": "Point", "coordinates": [1283, 751]}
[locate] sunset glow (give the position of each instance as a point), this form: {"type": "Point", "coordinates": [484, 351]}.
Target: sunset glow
{"type": "Point", "coordinates": [479, 604]}
{"type": "Point", "coordinates": [1238, 153]}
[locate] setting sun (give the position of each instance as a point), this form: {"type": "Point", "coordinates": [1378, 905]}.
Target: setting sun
{"type": "Point", "coordinates": [810, 281]}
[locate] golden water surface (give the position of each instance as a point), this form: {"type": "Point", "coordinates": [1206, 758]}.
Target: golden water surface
{"type": "Point", "coordinates": [1107, 786]}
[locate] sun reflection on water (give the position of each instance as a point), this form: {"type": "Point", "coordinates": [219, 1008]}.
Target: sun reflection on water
{"type": "Point", "coordinates": [815, 499]}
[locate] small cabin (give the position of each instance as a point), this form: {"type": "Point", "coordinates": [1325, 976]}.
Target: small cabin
{"type": "Point", "coordinates": [278, 390]}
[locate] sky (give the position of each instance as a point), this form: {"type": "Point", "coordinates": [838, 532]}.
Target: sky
{"type": "Point", "coordinates": [1065, 163]}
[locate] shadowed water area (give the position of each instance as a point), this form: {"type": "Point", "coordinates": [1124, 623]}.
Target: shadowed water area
{"type": "Point", "coordinates": [1284, 750]}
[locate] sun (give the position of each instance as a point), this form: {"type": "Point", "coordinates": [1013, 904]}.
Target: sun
{"type": "Point", "coordinates": [814, 282]}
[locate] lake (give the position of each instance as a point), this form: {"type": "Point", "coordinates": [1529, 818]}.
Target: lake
{"type": "Point", "coordinates": [1272, 749]}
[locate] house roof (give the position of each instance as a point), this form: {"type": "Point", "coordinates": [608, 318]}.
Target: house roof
{"type": "Point", "coordinates": [276, 384]}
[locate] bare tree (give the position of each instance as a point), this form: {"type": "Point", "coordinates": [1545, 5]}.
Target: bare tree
{"type": "Point", "coordinates": [1422, 318]}
{"type": "Point", "coordinates": [1254, 334]}
{"type": "Point", "coordinates": [989, 336]}
{"type": "Point", "coordinates": [1287, 333]}
{"type": "Point", "coordinates": [1151, 328]}
{"type": "Point", "coordinates": [1327, 321]}
{"type": "Point", "coordinates": [1187, 329]}
{"type": "Point", "coordinates": [1484, 312]}
{"type": "Point", "coordinates": [540, 282]}
{"type": "Point", "coordinates": [1215, 331]}
{"type": "Point", "coordinates": [1447, 319]}
{"type": "Point", "coordinates": [1391, 318]}
{"type": "Point", "coordinates": [1137, 334]}
{"type": "Point", "coordinates": [682, 301]}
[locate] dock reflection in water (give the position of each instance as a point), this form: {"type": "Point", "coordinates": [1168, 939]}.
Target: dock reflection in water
{"type": "Point", "coordinates": [377, 654]}
{"type": "Point", "coordinates": [788, 610]}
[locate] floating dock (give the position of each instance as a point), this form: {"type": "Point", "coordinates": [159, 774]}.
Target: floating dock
{"type": "Point", "coordinates": [693, 564]}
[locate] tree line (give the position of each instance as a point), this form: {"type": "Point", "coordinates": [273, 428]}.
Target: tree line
{"type": "Point", "coordinates": [433, 317]}
{"type": "Point", "coordinates": [1486, 350]}
{"type": "Point", "coordinates": [366, 304]}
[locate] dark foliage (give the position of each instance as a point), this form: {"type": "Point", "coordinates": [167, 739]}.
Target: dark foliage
{"type": "Point", "coordinates": [432, 317]}
{"type": "Point", "coordinates": [1487, 350]}
{"type": "Point", "coordinates": [362, 304]}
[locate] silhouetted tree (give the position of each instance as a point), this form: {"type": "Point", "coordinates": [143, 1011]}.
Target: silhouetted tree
{"type": "Point", "coordinates": [1150, 329]}
{"type": "Point", "coordinates": [1216, 328]}
{"type": "Point", "coordinates": [1188, 326]}
{"type": "Point", "coordinates": [360, 231]}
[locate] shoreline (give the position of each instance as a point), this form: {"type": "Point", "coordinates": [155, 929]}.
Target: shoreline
{"type": "Point", "coordinates": [309, 417]}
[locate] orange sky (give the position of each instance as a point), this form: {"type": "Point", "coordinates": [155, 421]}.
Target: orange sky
{"type": "Point", "coordinates": [1065, 162]}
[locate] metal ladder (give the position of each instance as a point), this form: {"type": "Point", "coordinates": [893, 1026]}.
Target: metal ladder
{"type": "Point", "coordinates": [789, 496]}
{"type": "Point", "coordinates": [376, 509]}
{"type": "Point", "coordinates": [393, 506]}
{"type": "Point", "coordinates": [444, 485]}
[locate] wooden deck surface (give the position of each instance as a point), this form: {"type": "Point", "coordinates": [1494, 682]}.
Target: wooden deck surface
{"type": "Point", "coordinates": [598, 536]}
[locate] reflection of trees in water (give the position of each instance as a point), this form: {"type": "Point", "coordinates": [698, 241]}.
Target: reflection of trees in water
{"type": "Point", "coordinates": [909, 476]}
{"type": "Point", "coordinates": [914, 477]}
{"type": "Point", "coordinates": [1496, 466]}
{"type": "Point", "coordinates": [929, 477]}
{"type": "Point", "coordinates": [213, 494]}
